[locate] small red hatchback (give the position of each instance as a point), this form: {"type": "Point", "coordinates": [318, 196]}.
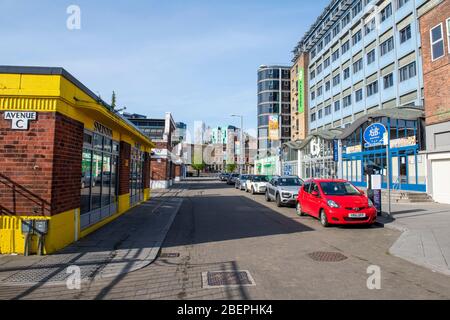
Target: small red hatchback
{"type": "Point", "coordinates": [335, 202]}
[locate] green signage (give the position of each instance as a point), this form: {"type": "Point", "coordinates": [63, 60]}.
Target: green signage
{"type": "Point", "coordinates": [301, 90]}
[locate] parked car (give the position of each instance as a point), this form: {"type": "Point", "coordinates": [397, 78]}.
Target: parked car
{"type": "Point", "coordinates": [232, 178]}
{"type": "Point", "coordinates": [241, 181]}
{"type": "Point", "coordinates": [224, 176]}
{"type": "Point", "coordinates": [257, 184]}
{"type": "Point", "coordinates": [335, 201]}
{"type": "Point", "coordinates": [284, 190]}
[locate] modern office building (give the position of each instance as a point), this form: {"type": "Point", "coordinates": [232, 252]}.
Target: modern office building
{"type": "Point", "coordinates": [180, 133]}
{"type": "Point", "coordinates": [274, 110]}
{"type": "Point", "coordinates": [364, 55]}
{"type": "Point", "coordinates": [434, 20]}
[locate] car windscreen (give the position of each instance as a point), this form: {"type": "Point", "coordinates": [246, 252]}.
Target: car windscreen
{"type": "Point", "coordinates": [339, 189]}
{"type": "Point", "coordinates": [289, 182]}
{"type": "Point", "coordinates": [260, 179]}
{"type": "Point", "coordinates": [243, 177]}
{"type": "Point", "coordinates": [234, 175]}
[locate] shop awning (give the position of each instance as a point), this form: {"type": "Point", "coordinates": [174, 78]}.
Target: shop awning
{"type": "Point", "coordinates": [329, 134]}
{"type": "Point", "coordinates": [400, 113]}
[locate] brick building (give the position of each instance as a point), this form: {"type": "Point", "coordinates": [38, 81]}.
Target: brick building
{"type": "Point", "coordinates": [67, 160]}
{"type": "Point", "coordinates": [434, 20]}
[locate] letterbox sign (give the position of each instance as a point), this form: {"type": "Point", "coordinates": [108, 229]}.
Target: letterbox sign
{"type": "Point", "coordinates": [98, 127]}
{"type": "Point", "coordinates": [20, 120]}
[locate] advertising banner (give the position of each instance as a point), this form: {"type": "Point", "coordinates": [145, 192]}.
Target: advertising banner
{"type": "Point", "coordinates": [274, 126]}
{"type": "Point", "coordinates": [301, 90]}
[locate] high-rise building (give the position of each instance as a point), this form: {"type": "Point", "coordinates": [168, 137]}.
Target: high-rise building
{"type": "Point", "coordinates": [364, 55]}
{"type": "Point", "coordinates": [274, 108]}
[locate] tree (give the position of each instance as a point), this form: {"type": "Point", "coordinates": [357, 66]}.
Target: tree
{"type": "Point", "coordinates": [231, 167]}
{"type": "Point", "coordinates": [113, 100]}
{"type": "Point", "coordinates": [198, 167]}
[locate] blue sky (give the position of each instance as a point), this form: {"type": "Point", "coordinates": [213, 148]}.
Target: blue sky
{"type": "Point", "coordinates": [195, 58]}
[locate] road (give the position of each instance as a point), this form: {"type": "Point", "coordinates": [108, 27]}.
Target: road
{"type": "Point", "coordinates": [220, 228]}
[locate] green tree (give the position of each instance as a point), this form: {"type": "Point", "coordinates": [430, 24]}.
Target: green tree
{"type": "Point", "coordinates": [231, 167]}
{"type": "Point", "coordinates": [198, 167]}
{"type": "Point", "coordinates": [113, 100]}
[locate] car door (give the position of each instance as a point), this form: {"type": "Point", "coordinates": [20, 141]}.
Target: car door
{"type": "Point", "coordinates": [304, 197]}
{"type": "Point", "coordinates": [273, 188]}
{"type": "Point", "coordinates": [314, 201]}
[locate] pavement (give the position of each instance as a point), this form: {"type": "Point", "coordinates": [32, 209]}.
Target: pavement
{"type": "Point", "coordinates": [221, 229]}
{"type": "Point", "coordinates": [127, 244]}
{"type": "Point", "coordinates": [425, 238]}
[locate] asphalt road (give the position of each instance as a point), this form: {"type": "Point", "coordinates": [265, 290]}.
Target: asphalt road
{"type": "Point", "coordinates": [222, 229]}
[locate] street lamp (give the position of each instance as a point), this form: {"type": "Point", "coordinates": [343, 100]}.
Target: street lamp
{"type": "Point", "coordinates": [242, 155]}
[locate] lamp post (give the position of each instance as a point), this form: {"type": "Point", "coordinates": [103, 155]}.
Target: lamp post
{"type": "Point", "coordinates": [242, 154]}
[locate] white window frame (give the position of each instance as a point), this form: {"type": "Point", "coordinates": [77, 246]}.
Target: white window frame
{"type": "Point", "coordinates": [441, 39]}
{"type": "Point", "coordinates": [448, 34]}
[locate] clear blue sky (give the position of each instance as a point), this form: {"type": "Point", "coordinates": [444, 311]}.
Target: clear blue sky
{"type": "Point", "coordinates": [196, 58]}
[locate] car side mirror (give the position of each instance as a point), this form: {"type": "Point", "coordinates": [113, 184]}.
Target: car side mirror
{"type": "Point", "coordinates": [315, 194]}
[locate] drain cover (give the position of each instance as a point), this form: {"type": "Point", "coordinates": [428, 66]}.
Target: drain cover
{"type": "Point", "coordinates": [169, 255]}
{"type": "Point", "coordinates": [217, 279]}
{"type": "Point", "coordinates": [327, 256]}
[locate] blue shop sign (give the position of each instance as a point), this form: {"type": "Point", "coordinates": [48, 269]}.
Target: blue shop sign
{"type": "Point", "coordinates": [375, 135]}
{"type": "Point", "coordinates": [335, 150]}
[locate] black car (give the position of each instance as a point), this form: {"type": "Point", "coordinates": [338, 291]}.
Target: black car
{"type": "Point", "coordinates": [232, 178]}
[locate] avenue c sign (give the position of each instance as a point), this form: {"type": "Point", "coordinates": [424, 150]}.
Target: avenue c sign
{"type": "Point", "coordinates": [20, 120]}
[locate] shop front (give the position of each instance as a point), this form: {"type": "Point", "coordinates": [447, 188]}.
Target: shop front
{"type": "Point", "coordinates": [404, 130]}
{"type": "Point", "coordinates": [68, 161]}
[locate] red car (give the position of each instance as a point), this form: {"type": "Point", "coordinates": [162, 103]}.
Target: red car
{"type": "Point", "coordinates": [335, 202]}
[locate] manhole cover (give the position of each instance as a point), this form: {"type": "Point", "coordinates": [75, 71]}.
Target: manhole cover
{"type": "Point", "coordinates": [217, 279]}
{"type": "Point", "coordinates": [169, 255]}
{"type": "Point", "coordinates": [327, 256]}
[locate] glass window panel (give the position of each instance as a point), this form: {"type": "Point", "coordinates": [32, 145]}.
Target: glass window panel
{"type": "Point", "coordinates": [97, 167]}
{"type": "Point", "coordinates": [98, 141]}
{"type": "Point", "coordinates": [86, 181]}
{"type": "Point", "coordinates": [114, 165]}
{"type": "Point", "coordinates": [412, 169]}
{"type": "Point", "coordinates": [421, 169]}
{"type": "Point", "coordinates": [106, 180]}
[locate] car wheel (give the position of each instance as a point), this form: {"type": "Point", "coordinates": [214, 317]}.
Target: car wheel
{"type": "Point", "coordinates": [298, 209]}
{"type": "Point", "coordinates": [324, 219]}
{"type": "Point", "coordinates": [253, 190]}
{"type": "Point", "coordinates": [279, 203]}
{"type": "Point", "coordinates": [267, 197]}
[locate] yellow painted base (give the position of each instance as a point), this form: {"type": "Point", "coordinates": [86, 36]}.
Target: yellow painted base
{"type": "Point", "coordinates": [63, 229]}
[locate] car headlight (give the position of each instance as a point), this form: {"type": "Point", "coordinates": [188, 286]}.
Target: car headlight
{"type": "Point", "coordinates": [286, 195]}
{"type": "Point", "coordinates": [332, 204]}
{"type": "Point", "coordinates": [371, 203]}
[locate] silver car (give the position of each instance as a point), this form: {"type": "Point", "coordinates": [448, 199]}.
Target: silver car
{"type": "Point", "coordinates": [284, 190]}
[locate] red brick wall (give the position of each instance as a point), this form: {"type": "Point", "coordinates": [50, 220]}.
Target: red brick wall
{"type": "Point", "coordinates": [159, 170]}
{"type": "Point", "coordinates": [44, 170]}
{"type": "Point", "coordinates": [436, 73]}
{"type": "Point", "coordinates": [177, 171]}
{"type": "Point", "coordinates": [67, 164]}
{"type": "Point", "coordinates": [124, 168]}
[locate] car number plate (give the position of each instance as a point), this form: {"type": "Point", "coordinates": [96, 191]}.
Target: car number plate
{"type": "Point", "coordinates": [357, 215]}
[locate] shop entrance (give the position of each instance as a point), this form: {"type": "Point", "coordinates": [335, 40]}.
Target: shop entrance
{"type": "Point", "coordinates": [136, 176]}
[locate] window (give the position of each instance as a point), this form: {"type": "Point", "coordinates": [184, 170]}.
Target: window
{"type": "Point", "coordinates": [313, 117]}
{"type": "Point", "coordinates": [336, 30]}
{"type": "Point", "coordinates": [356, 37]}
{"type": "Point", "coordinates": [387, 46]}
{"type": "Point", "coordinates": [437, 42]}
{"type": "Point", "coordinates": [357, 9]}
{"type": "Point", "coordinates": [345, 46]}
{"type": "Point", "coordinates": [327, 38]}
{"type": "Point", "coordinates": [372, 88]}
{"type": "Point", "coordinates": [319, 46]}
{"type": "Point", "coordinates": [336, 80]}
{"type": "Point", "coordinates": [320, 114]}
{"type": "Point", "coordinates": [346, 73]}
{"type": "Point", "coordinates": [312, 75]}
{"type": "Point", "coordinates": [326, 63]}
{"type": "Point", "coordinates": [388, 81]}
{"type": "Point", "coordinates": [327, 86]}
{"type": "Point", "coordinates": [369, 27]}
{"type": "Point", "coordinates": [313, 95]}
{"type": "Point", "coordinates": [337, 105]}
{"type": "Point", "coordinates": [319, 68]}
{"type": "Point", "coordinates": [371, 57]}
{"type": "Point", "coordinates": [313, 53]}
{"type": "Point", "coordinates": [405, 34]}
{"type": "Point", "coordinates": [327, 110]}
{"type": "Point", "coordinates": [386, 12]}
{"type": "Point", "coordinates": [400, 3]}
{"type": "Point", "coordinates": [407, 72]}
{"type": "Point", "coordinates": [347, 101]}
{"type": "Point", "coordinates": [319, 91]}
{"type": "Point", "coordinates": [358, 95]}
{"type": "Point", "coordinates": [335, 55]}
{"type": "Point", "coordinates": [357, 66]}
{"type": "Point", "coordinates": [346, 20]}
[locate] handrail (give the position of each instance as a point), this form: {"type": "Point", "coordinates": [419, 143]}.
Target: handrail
{"type": "Point", "coordinates": [17, 189]}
